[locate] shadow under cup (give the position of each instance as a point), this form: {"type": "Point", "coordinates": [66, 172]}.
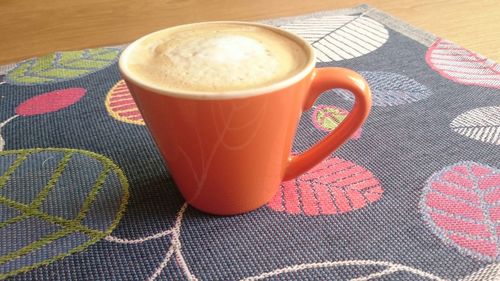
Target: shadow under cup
{"type": "Point", "coordinates": [229, 151]}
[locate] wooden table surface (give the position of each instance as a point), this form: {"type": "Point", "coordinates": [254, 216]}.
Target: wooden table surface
{"type": "Point", "coordinates": [33, 27]}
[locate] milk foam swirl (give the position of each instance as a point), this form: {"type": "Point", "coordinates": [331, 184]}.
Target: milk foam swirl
{"type": "Point", "coordinates": [216, 58]}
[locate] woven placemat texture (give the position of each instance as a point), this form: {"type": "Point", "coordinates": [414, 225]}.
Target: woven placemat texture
{"type": "Point", "coordinates": [413, 195]}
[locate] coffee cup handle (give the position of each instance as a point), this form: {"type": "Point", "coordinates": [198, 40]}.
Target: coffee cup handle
{"type": "Point", "coordinates": [324, 79]}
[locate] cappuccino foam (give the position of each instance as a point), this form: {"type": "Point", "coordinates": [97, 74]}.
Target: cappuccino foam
{"type": "Point", "coordinates": [216, 57]}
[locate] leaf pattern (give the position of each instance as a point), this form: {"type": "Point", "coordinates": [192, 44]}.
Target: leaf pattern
{"type": "Point", "coordinates": [488, 273]}
{"type": "Point", "coordinates": [462, 66]}
{"type": "Point", "coordinates": [56, 209]}
{"type": "Point", "coordinates": [482, 124]}
{"type": "Point", "coordinates": [56, 202]}
{"type": "Point", "coordinates": [335, 186]}
{"type": "Point", "coordinates": [121, 105]}
{"type": "Point", "coordinates": [61, 66]}
{"type": "Point", "coordinates": [382, 269]}
{"type": "Point", "coordinates": [461, 204]}
{"type": "Point", "coordinates": [391, 89]}
{"type": "Point", "coordinates": [50, 102]}
{"type": "Point", "coordinates": [326, 118]}
{"type": "Point", "coordinates": [337, 38]}
{"type": "Point", "coordinates": [4, 69]}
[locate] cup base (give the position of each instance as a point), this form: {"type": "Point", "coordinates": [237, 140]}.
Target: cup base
{"type": "Point", "coordinates": [233, 212]}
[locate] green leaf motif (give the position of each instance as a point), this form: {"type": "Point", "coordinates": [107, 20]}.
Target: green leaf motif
{"type": "Point", "coordinates": [327, 117]}
{"type": "Point", "coordinates": [330, 118]}
{"type": "Point", "coordinates": [61, 66]}
{"type": "Point", "coordinates": [55, 202]}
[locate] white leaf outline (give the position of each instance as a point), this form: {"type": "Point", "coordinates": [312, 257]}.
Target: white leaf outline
{"type": "Point", "coordinates": [338, 38]}
{"type": "Point", "coordinates": [4, 69]}
{"type": "Point", "coordinates": [176, 249]}
{"type": "Point", "coordinates": [2, 141]}
{"type": "Point", "coordinates": [481, 124]}
{"type": "Point", "coordinates": [491, 272]}
{"type": "Point", "coordinates": [389, 269]}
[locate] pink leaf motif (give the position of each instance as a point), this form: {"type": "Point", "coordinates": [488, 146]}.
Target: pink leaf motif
{"type": "Point", "coordinates": [335, 186]}
{"type": "Point", "coordinates": [326, 118]}
{"type": "Point", "coordinates": [462, 66]}
{"type": "Point", "coordinates": [50, 102]}
{"type": "Point", "coordinates": [461, 204]}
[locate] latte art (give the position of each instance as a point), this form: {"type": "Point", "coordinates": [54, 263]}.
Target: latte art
{"type": "Point", "coordinates": [216, 58]}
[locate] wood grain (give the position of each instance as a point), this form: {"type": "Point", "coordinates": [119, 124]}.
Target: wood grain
{"type": "Point", "coordinates": [31, 27]}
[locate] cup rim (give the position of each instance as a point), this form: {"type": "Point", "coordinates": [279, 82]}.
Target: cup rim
{"type": "Point", "coordinates": [210, 95]}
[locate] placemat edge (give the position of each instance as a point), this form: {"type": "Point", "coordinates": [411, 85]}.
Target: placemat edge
{"type": "Point", "coordinates": [417, 34]}
{"type": "Point", "coordinates": [424, 37]}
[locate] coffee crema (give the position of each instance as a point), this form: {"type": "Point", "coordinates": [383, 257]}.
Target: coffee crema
{"type": "Point", "coordinates": [216, 57]}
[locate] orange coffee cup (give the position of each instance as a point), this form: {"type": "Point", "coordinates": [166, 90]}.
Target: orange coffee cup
{"type": "Point", "coordinates": [229, 151]}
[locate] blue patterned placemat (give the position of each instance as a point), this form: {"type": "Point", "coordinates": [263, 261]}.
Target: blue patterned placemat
{"type": "Point", "coordinates": [414, 195]}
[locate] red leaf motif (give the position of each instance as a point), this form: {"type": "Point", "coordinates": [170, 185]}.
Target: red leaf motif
{"type": "Point", "coordinates": [334, 186]}
{"type": "Point", "coordinates": [50, 102]}
{"type": "Point", "coordinates": [462, 66]}
{"type": "Point", "coordinates": [461, 204]}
